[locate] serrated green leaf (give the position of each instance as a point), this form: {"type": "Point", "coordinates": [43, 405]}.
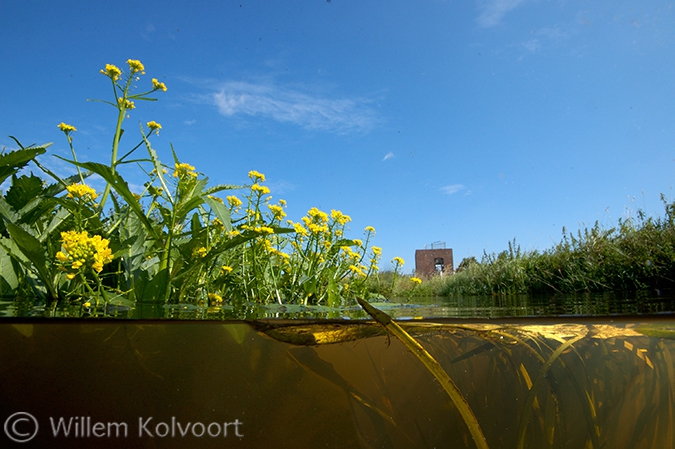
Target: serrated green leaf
{"type": "Point", "coordinates": [14, 161]}
{"type": "Point", "coordinates": [221, 187]}
{"type": "Point", "coordinates": [23, 190]}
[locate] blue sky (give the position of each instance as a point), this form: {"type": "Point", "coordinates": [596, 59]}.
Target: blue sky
{"type": "Point", "coordinates": [468, 122]}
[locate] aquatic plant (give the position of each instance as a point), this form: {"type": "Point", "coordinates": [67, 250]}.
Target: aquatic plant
{"type": "Point", "coordinates": [177, 240]}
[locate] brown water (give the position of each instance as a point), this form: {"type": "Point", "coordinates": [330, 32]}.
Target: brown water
{"type": "Point", "coordinates": [533, 384]}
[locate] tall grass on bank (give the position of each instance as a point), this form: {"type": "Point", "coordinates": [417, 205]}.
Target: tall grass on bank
{"type": "Point", "coordinates": [637, 254]}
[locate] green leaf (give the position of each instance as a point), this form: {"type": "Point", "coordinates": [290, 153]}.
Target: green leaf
{"type": "Point", "coordinates": [122, 188]}
{"type": "Point", "coordinates": [14, 161]}
{"type": "Point", "coordinates": [7, 269]}
{"type": "Point", "coordinates": [151, 290]}
{"type": "Point", "coordinates": [220, 188]}
{"type": "Point", "coordinates": [35, 252]}
{"type": "Point", "coordinates": [23, 190]}
{"type": "Point", "coordinates": [221, 212]}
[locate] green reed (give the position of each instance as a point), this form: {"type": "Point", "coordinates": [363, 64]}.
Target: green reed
{"type": "Point", "coordinates": [636, 254]}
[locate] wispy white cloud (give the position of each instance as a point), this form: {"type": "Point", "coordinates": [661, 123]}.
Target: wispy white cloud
{"type": "Point", "coordinates": [310, 110]}
{"type": "Point", "coordinates": [550, 35]}
{"type": "Point", "coordinates": [388, 156]}
{"type": "Point", "coordinates": [453, 188]}
{"type": "Point", "coordinates": [493, 11]}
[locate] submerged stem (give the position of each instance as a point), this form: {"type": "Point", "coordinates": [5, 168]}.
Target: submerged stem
{"type": "Point", "coordinates": [434, 368]}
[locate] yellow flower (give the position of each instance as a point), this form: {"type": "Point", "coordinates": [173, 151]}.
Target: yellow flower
{"type": "Point", "coordinates": [233, 233]}
{"type": "Point", "coordinates": [136, 66]}
{"type": "Point", "coordinates": [317, 215]}
{"type": "Point", "coordinates": [225, 269]}
{"type": "Point", "coordinates": [277, 211]}
{"type": "Point", "coordinates": [357, 270]}
{"type": "Point", "coordinates": [300, 229]}
{"type": "Point", "coordinates": [376, 250]}
{"type": "Point", "coordinates": [156, 85]}
{"type": "Point", "coordinates": [184, 170]}
{"type": "Point", "coordinates": [398, 261]}
{"type": "Point", "coordinates": [339, 217]}
{"type": "Point", "coordinates": [260, 190]}
{"type": "Point", "coordinates": [154, 126]}
{"type": "Point", "coordinates": [416, 281]}
{"type": "Point", "coordinates": [256, 176]}
{"type": "Point", "coordinates": [234, 201]}
{"type": "Point", "coordinates": [83, 251]}
{"type": "Point", "coordinates": [66, 128]}
{"type": "Point", "coordinates": [81, 191]}
{"type": "Point", "coordinates": [200, 252]}
{"type": "Point", "coordinates": [217, 224]}
{"type": "Point", "coordinates": [126, 104]}
{"type": "Point", "coordinates": [316, 229]}
{"type": "Point", "coordinates": [215, 297]}
{"type": "Point", "coordinates": [369, 229]}
{"type": "Point", "coordinates": [263, 230]}
{"type": "Point", "coordinates": [111, 71]}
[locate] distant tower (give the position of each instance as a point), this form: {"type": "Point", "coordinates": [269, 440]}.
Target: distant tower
{"type": "Point", "coordinates": [434, 259]}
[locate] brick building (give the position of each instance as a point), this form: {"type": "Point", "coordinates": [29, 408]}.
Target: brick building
{"type": "Point", "coordinates": [434, 261]}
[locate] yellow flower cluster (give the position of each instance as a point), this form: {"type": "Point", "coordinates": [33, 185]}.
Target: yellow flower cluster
{"type": "Point", "coordinates": [416, 281]}
{"type": "Point", "coordinates": [111, 71]}
{"type": "Point", "coordinates": [316, 221]}
{"type": "Point", "coordinates": [200, 252]}
{"type": "Point", "coordinates": [225, 269]}
{"type": "Point", "coordinates": [156, 85]}
{"type": "Point", "coordinates": [339, 217]}
{"type": "Point", "coordinates": [81, 251]}
{"type": "Point", "coordinates": [256, 176]}
{"type": "Point", "coordinates": [358, 270]}
{"type": "Point", "coordinates": [277, 211]}
{"type": "Point", "coordinates": [81, 191]}
{"type": "Point", "coordinates": [154, 126]}
{"type": "Point", "coordinates": [66, 128]}
{"type": "Point", "coordinates": [260, 190]}
{"type": "Point", "coordinates": [299, 228]}
{"type": "Point", "coordinates": [126, 104]}
{"type": "Point", "coordinates": [234, 201]}
{"type": "Point", "coordinates": [259, 229]}
{"type": "Point", "coordinates": [215, 298]}
{"type": "Point", "coordinates": [350, 253]}
{"type": "Point", "coordinates": [398, 261]}
{"type": "Point", "coordinates": [217, 224]}
{"type": "Point", "coordinates": [369, 230]}
{"type": "Point", "coordinates": [136, 66]}
{"type": "Point", "coordinates": [184, 170]}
